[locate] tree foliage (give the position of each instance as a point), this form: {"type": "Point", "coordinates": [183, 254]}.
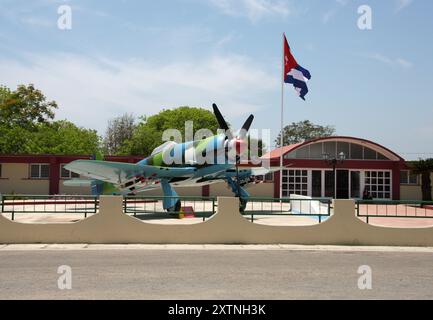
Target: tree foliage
{"type": "Point", "coordinates": [424, 168]}
{"type": "Point", "coordinates": [58, 137]}
{"type": "Point", "coordinates": [119, 131]}
{"type": "Point", "coordinates": [302, 131]}
{"type": "Point", "coordinates": [24, 107]}
{"type": "Point", "coordinates": [26, 126]}
{"type": "Point", "coordinates": [148, 134]}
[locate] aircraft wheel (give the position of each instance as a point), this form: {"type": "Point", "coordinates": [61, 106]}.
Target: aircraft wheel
{"type": "Point", "coordinates": [176, 208]}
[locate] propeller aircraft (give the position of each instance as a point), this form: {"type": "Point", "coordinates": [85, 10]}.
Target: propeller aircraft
{"type": "Point", "coordinates": [176, 164]}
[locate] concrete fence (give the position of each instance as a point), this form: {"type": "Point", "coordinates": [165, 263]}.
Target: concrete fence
{"type": "Point", "coordinates": [111, 225]}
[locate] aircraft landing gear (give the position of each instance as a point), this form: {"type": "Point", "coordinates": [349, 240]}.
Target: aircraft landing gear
{"type": "Point", "coordinates": [242, 205]}
{"type": "Point", "coordinates": [239, 192]}
{"type": "Point", "coordinates": [176, 208]}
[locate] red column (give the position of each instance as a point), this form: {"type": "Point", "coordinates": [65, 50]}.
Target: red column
{"type": "Point", "coordinates": [396, 182]}
{"type": "Point", "coordinates": [205, 191]}
{"type": "Point", "coordinates": [54, 176]}
{"type": "Point", "coordinates": [277, 185]}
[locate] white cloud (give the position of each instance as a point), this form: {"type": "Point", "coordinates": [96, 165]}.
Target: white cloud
{"type": "Point", "coordinates": [330, 14]}
{"type": "Point", "coordinates": [91, 91]}
{"type": "Point", "coordinates": [327, 16]}
{"type": "Point", "coordinates": [255, 10]}
{"type": "Point", "coordinates": [404, 63]}
{"type": "Point", "coordinates": [390, 61]}
{"type": "Point", "coordinates": [38, 22]}
{"type": "Point", "coordinates": [402, 4]}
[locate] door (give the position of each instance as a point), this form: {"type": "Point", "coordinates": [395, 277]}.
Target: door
{"type": "Point", "coordinates": [355, 184]}
{"type": "Point", "coordinates": [342, 184]}
{"type": "Point", "coordinates": [316, 184]}
{"type": "Point", "coordinates": [329, 184]}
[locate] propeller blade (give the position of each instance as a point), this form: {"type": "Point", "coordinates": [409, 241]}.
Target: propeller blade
{"type": "Point", "coordinates": [222, 123]}
{"type": "Point", "coordinates": [247, 124]}
{"type": "Point", "coordinates": [246, 127]}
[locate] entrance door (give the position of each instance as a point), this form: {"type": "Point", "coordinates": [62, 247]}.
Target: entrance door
{"type": "Point", "coordinates": [316, 184]}
{"type": "Point", "coordinates": [342, 184]}
{"type": "Point", "coordinates": [329, 184]}
{"type": "Point", "coordinates": [355, 184]}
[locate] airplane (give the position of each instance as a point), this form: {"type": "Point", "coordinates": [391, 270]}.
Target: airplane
{"type": "Point", "coordinates": [176, 164]}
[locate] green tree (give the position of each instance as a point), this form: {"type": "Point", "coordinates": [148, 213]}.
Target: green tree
{"type": "Point", "coordinates": [15, 140]}
{"type": "Point", "coordinates": [26, 126]}
{"type": "Point", "coordinates": [64, 137]}
{"type": "Point", "coordinates": [148, 133]}
{"type": "Point", "coordinates": [119, 131]}
{"type": "Point", "coordinates": [424, 168]}
{"type": "Point", "coordinates": [24, 107]}
{"type": "Point", "coordinates": [256, 147]}
{"type": "Point", "coordinates": [303, 131]}
{"type": "Point", "coordinates": [58, 137]}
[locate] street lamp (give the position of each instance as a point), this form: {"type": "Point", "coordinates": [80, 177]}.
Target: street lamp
{"type": "Point", "coordinates": [333, 161]}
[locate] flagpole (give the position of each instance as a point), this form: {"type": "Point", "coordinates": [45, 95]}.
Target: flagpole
{"type": "Point", "coordinates": [282, 122]}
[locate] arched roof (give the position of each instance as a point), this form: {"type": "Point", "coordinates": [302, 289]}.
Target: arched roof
{"type": "Point", "coordinates": [276, 153]}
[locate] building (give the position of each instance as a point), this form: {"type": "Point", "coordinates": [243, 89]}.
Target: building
{"type": "Point", "coordinates": [367, 166]}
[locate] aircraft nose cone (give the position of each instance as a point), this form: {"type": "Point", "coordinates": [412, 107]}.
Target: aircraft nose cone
{"type": "Point", "coordinates": [239, 144]}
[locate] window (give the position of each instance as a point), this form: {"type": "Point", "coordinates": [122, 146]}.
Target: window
{"type": "Point", "coordinates": [406, 177]}
{"type": "Point", "coordinates": [378, 184]}
{"type": "Point", "coordinates": [332, 148]}
{"type": "Point", "coordinates": [369, 154]}
{"type": "Point", "coordinates": [356, 152]}
{"type": "Point", "coordinates": [295, 182]}
{"type": "Point", "coordinates": [66, 174]}
{"type": "Point", "coordinates": [316, 151]}
{"type": "Point", "coordinates": [39, 171]}
{"type": "Point", "coordinates": [269, 177]}
{"type": "Point", "coordinates": [343, 147]}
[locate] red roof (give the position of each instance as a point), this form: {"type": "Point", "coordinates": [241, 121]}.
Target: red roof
{"type": "Point", "coordinates": [276, 153]}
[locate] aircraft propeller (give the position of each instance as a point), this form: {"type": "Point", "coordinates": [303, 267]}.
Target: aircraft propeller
{"type": "Point", "coordinates": [234, 142]}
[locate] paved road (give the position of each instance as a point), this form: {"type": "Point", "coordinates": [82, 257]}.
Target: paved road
{"type": "Point", "coordinates": [198, 272]}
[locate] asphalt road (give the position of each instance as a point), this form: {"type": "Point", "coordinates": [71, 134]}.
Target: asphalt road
{"type": "Point", "coordinates": [154, 273]}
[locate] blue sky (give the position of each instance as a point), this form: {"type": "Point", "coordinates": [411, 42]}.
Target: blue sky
{"type": "Point", "coordinates": [141, 56]}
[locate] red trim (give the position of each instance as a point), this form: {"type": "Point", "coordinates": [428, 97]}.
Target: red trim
{"type": "Point", "coordinates": [347, 164]}
{"type": "Point", "coordinates": [40, 158]}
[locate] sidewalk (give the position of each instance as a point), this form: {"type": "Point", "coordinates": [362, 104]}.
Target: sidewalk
{"type": "Point", "coordinates": [206, 247]}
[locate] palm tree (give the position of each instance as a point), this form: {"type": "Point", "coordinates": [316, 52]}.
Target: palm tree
{"type": "Point", "coordinates": [424, 168]}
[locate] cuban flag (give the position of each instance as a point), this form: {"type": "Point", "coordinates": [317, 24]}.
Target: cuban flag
{"type": "Point", "coordinates": [294, 73]}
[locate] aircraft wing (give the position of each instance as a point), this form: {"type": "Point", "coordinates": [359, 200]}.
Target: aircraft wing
{"type": "Point", "coordinates": [117, 172]}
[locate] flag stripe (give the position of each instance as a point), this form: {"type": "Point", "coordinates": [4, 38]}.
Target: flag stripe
{"type": "Point", "coordinates": [299, 85]}
{"type": "Point", "coordinates": [294, 73]}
